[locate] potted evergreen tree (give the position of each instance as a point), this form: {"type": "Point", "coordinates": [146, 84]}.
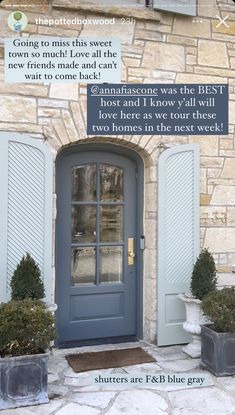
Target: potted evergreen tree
{"type": "Point", "coordinates": [26, 332]}
{"type": "Point", "coordinates": [218, 338]}
{"type": "Point", "coordinates": [26, 281]}
{"type": "Point", "coordinates": [203, 281]}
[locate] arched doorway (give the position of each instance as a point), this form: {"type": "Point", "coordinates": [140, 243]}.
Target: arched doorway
{"type": "Point", "coordinates": [98, 255]}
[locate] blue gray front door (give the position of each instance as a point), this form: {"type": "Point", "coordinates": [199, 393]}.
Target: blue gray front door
{"type": "Point", "coordinates": [95, 246]}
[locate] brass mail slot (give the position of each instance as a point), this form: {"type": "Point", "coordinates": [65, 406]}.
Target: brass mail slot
{"type": "Point", "coordinates": [131, 254]}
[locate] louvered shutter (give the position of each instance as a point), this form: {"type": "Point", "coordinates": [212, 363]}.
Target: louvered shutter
{"type": "Point", "coordinates": [178, 236]}
{"type": "Point", "coordinates": [25, 207]}
{"type": "Point", "coordinates": [188, 7]}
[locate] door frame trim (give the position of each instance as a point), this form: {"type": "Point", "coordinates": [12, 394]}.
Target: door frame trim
{"type": "Point", "coordinates": [135, 157]}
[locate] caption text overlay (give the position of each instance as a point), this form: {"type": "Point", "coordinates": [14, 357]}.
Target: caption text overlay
{"type": "Point", "coordinates": [161, 109]}
{"type": "Point", "coordinates": [62, 60]}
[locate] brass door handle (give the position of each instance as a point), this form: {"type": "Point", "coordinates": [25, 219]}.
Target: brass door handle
{"type": "Point", "coordinates": [131, 254]}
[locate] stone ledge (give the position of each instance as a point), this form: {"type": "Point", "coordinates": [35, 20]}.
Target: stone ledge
{"type": "Point", "coordinates": [118, 11]}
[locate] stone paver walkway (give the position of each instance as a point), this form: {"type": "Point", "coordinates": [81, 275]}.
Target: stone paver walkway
{"type": "Point", "coordinates": [78, 394]}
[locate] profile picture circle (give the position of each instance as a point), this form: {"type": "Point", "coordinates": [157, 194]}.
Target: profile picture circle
{"type": "Point", "coordinates": [17, 21]}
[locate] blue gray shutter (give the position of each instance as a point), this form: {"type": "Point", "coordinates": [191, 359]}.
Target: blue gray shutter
{"type": "Point", "coordinates": [178, 236]}
{"type": "Point", "coordinates": [188, 7]}
{"type": "Point", "coordinates": [25, 207]}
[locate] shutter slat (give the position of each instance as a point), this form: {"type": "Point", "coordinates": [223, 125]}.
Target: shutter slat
{"type": "Point", "coordinates": [178, 236]}
{"type": "Point", "coordinates": [188, 7]}
{"type": "Point", "coordinates": [26, 207]}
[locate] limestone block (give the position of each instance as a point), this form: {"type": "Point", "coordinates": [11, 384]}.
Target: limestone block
{"type": "Point", "coordinates": [222, 37]}
{"type": "Point", "coordinates": [31, 28]}
{"type": "Point", "coordinates": [133, 62]}
{"type": "Point", "coordinates": [163, 76]}
{"type": "Point", "coordinates": [57, 14]}
{"type": "Point", "coordinates": [191, 50]}
{"type": "Point", "coordinates": [232, 63]}
{"type": "Point", "coordinates": [212, 162]}
{"type": "Point", "coordinates": [223, 195]}
{"type": "Point", "coordinates": [191, 60]}
{"type": "Point", "coordinates": [150, 227]}
{"type": "Point", "coordinates": [211, 53]}
{"type": "Point", "coordinates": [24, 89]}
{"type": "Point", "coordinates": [64, 91]}
{"type": "Point", "coordinates": [223, 259]}
{"type": "Point", "coordinates": [132, 51]}
{"type": "Point", "coordinates": [185, 78]}
{"type": "Point", "coordinates": [230, 30]}
{"type": "Point", "coordinates": [21, 127]}
{"type": "Point", "coordinates": [226, 279]}
{"type": "Point", "coordinates": [227, 153]}
{"type": "Point", "coordinates": [17, 109]}
{"type": "Point", "coordinates": [151, 196]}
{"type": "Point", "coordinates": [231, 218]}
{"type": "Point", "coordinates": [226, 144]}
{"type": "Point", "coordinates": [164, 56]}
{"type": "Point", "coordinates": [182, 40]}
{"type": "Point", "coordinates": [220, 239]}
{"type": "Point", "coordinates": [150, 299]}
{"type": "Point", "coordinates": [208, 9]}
{"type": "Point", "coordinates": [229, 168]}
{"type": "Point", "coordinates": [205, 199]}
{"type": "Point", "coordinates": [213, 216]}
{"type": "Point", "coordinates": [203, 181]}
{"type": "Point", "coordinates": [183, 26]}
{"type": "Point", "coordinates": [213, 173]}
{"type": "Point", "coordinates": [40, 6]}
{"type": "Point", "coordinates": [166, 18]}
{"type": "Point", "coordinates": [123, 32]}
{"type": "Point", "coordinates": [147, 35]}
{"type": "Point", "coordinates": [209, 70]}
{"type": "Point", "coordinates": [139, 72]}
{"type": "Point", "coordinates": [164, 28]}
{"type": "Point", "coordinates": [56, 31]}
{"type": "Point", "coordinates": [231, 118]}
{"type": "Point", "coordinates": [70, 127]}
{"type": "Point", "coordinates": [60, 130]}
{"type": "Point", "coordinates": [54, 103]}
{"type": "Point", "coordinates": [78, 119]}
{"type": "Point", "coordinates": [208, 144]}
{"type": "Point", "coordinates": [49, 112]}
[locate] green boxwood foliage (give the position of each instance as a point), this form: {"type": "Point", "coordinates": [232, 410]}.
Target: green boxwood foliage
{"type": "Point", "coordinates": [26, 327]}
{"type": "Point", "coordinates": [219, 306]}
{"type": "Point", "coordinates": [26, 281]}
{"type": "Point", "coordinates": [204, 276]}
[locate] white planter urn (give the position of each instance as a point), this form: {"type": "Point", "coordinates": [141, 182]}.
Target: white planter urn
{"type": "Point", "coordinates": [192, 325]}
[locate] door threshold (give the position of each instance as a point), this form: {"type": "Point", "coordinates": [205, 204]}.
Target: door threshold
{"type": "Point", "coordinates": [95, 342]}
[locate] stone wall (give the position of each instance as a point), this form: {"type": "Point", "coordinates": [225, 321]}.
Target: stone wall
{"type": "Point", "coordinates": [156, 48]}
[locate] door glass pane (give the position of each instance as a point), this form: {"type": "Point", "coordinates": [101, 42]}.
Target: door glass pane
{"type": "Point", "coordinates": [84, 223]}
{"type": "Point", "coordinates": [111, 183]}
{"type": "Point", "coordinates": [83, 266]}
{"type": "Point", "coordinates": [111, 223]}
{"type": "Point", "coordinates": [111, 264]}
{"type": "Point", "coordinates": [84, 183]}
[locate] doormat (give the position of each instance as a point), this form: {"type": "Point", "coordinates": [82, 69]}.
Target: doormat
{"type": "Point", "coordinates": [82, 362]}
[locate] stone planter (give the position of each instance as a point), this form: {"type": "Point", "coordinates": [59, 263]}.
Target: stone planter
{"type": "Point", "coordinates": [192, 325]}
{"type": "Point", "coordinates": [23, 381]}
{"type": "Point", "coordinates": [218, 351]}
